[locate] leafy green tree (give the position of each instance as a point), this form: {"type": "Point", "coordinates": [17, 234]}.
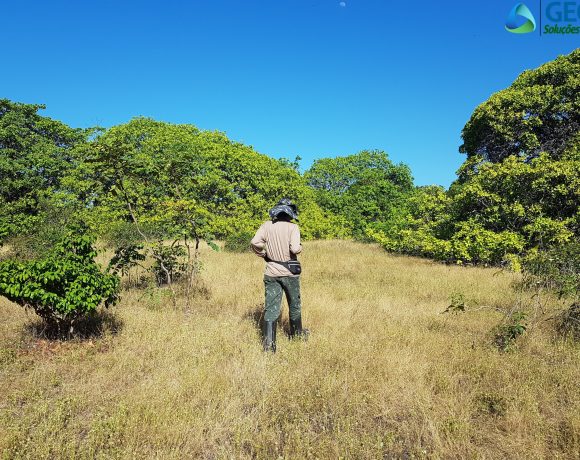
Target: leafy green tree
{"type": "Point", "coordinates": [364, 188]}
{"type": "Point", "coordinates": [35, 154]}
{"type": "Point", "coordinates": [169, 176]}
{"type": "Point", "coordinates": [179, 183]}
{"type": "Point", "coordinates": [520, 185]}
{"type": "Point", "coordinates": [143, 173]}
{"type": "Point", "coordinates": [504, 209]}
{"type": "Point", "coordinates": [539, 112]}
{"type": "Point", "coordinates": [536, 198]}
{"type": "Point", "coordinates": [522, 174]}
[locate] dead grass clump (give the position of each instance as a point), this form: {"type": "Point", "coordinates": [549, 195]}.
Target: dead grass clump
{"type": "Point", "coordinates": [568, 322]}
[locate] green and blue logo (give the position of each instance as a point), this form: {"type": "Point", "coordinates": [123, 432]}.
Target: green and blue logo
{"type": "Point", "coordinates": [520, 10]}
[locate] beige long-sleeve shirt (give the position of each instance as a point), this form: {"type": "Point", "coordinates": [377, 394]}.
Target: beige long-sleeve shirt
{"type": "Point", "coordinates": [280, 241]}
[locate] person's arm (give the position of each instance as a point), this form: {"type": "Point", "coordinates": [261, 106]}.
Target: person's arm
{"type": "Point", "coordinates": [295, 246]}
{"type": "Point", "coordinates": [258, 243]}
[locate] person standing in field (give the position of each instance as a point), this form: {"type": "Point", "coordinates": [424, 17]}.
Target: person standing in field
{"type": "Point", "coordinates": [278, 242]}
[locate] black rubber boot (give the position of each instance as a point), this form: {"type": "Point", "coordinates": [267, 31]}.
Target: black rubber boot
{"type": "Point", "coordinates": [269, 333]}
{"type": "Point", "coordinates": [296, 329]}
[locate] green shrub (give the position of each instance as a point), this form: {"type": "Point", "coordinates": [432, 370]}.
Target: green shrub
{"type": "Point", "coordinates": [556, 269]}
{"type": "Point", "coordinates": [126, 257]}
{"type": "Point", "coordinates": [507, 333]}
{"type": "Point", "coordinates": [64, 285]}
{"type": "Point", "coordinates": [473, 243]}
{"type": "Point", "coordinates": [169, 265]}
{"type": "Point", "coordinates": [457, 304]}
{"type": "Point", "coordinates": [238, 242]}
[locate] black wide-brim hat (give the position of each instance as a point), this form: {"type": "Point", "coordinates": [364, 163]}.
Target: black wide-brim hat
{"type": "Point", "coordinates": [284, 206]}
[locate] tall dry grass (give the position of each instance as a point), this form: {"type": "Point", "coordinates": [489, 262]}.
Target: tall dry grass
{"type": "Point", "coordinates": [384, 374]}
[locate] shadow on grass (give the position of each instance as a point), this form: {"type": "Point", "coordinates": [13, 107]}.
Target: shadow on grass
{"type": "Point", "coordinates": [92, 326]}
{"type": "Point", "coordinates": [256, 315]}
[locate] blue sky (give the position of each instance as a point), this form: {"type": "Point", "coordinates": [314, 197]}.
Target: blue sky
{"type": "Point", "coordinates": [313, 78]}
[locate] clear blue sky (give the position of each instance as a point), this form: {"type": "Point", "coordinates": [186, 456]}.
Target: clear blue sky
{"type": "Point", "coordinates": [313, 78]}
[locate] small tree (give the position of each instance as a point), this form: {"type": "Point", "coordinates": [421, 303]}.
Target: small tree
{"type": "Point", "coordinates": [64, 286]}
{"type": "Point", "coordinates": [149, 176]}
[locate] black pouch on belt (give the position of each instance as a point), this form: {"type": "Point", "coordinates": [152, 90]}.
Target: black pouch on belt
{"type": "Point", "coordinates": [293, 266]}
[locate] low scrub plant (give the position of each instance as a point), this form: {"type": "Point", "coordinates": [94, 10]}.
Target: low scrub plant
{"type": "Point", "coordinates": [63, 286]}
{"type": "Point", "coordinates": [507, 333]}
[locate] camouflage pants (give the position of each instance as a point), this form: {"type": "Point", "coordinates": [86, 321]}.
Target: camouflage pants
{"type": "Point", "coordinates": [290, 285]}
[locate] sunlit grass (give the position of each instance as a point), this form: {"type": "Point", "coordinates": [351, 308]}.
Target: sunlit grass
{"type": "Point", "coordinates": [384, 374]}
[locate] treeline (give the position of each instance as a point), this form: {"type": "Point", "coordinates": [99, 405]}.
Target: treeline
{"type": "Point", "coordinates": [518, 190]}
{"type": "Point", "coordinates": [152, 191]}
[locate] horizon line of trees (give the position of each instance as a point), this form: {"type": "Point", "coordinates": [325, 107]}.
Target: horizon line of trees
{"type": "Point", "coordinates": [141, 183]}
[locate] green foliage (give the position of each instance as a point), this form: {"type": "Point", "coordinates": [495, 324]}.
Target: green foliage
{"type": "Point", "coordinates": [238, 242]}
{"type": "Point", "coordinates": [144, 181]}
{"type": "Point", "coordinates": [182, 181]}
{"type": "Point", "coordinates": [121, 234]}
{"type": "Point", "coordinates": [507, 333]}
{"type": "Point", "coordinates": [473, 243]}
{"type": "Point", "coordinates": [539, 112]}
{"type": "Point", "coordinates": [362, 188]}
{"type": "Point", "coordinates": [519, 188]}
{"type": "Point", "coordinates": [556, 269]}
{"type": "Point", "coordinates": [457, 304]}
{"type": "Point", "coordinates": [139, 173]}
{"type": "Point", "coordinates": [537, 199]}
{"type": "Point", "coordinates": [64, 285]}
{"type": "Point", "coordinates": [36, 152]}
{"type": "Point", "coordinates": [50, 228]}
{"type": "Point", "coordinates": [168, 266]}
{"type": "Point", "coordinates": [125, 258]}
{"type": "Point", "coordinates": [469, 244]}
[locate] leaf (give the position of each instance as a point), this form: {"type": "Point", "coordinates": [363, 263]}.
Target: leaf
{"type": "Point", "coordinates": [212, 245]}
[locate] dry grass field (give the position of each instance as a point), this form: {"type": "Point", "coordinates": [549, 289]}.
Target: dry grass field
{"type": "Point", "coordinates": [384, 374]}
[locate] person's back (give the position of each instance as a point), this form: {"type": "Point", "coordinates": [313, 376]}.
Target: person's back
{"type": "Point", "coordinates": [278, 242]}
